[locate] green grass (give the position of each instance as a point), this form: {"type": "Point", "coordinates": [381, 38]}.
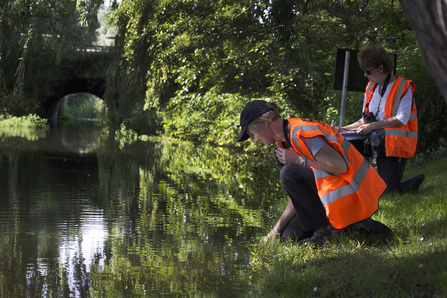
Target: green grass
{"type": "Point", "coordinates": [413, 263]}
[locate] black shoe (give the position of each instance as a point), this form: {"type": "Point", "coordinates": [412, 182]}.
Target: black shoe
{"type": "Point", "coordinates": [412, 183]}
{"type": "Point", "coordinates": [368, 227]}
{"type": "Point", "coordinates": [321, 236]}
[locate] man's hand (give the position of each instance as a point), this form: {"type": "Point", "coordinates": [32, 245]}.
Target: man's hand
{"type": "Point", "coordinates": [289, 156]}
{"type": "Point", "coordinates": [274, 234]}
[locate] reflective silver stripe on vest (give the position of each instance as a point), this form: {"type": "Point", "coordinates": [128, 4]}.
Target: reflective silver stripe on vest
{"type": "Point", "coordinates": [321, 174]}
{"type": "Point", "coordinates": [331, 138]}
{"type": "Point", "coordinates": [397, 100]}
{"type": "Point", "coordinates": [368, 99]}
{"type": "Point", "coordinates": [401, 133]}
{"type": "Point", "coordinates": [368, 88]}
{"type": "Point", "coordinates": [295, 140]}
{"type": "Point", "coordinates": [413, 116]}
{"type": "Point", "coordinates": [347, 189]}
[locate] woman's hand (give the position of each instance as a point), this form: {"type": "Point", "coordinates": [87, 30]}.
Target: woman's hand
{"type": "Point", "coordinates": [365, 129]}
{"type": "Point", "coordinates": [351, 127]}
{"type": "Point", "coordinates": [289, 156]}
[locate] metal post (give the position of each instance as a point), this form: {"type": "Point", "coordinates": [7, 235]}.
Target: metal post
{"type": "Point", "coordinates": [344, 89]}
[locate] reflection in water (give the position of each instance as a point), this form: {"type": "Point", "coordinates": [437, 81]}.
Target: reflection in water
{"type": "Point", "coordinates": [80, 142]}
{"type": "Point", "coordinates": [86, 247]}
{"type": "Point", "coordinates": [23, 132]}
{"type": "Point", "coordinates": [152, 219]}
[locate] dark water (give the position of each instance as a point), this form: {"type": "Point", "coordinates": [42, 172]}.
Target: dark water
{"type": "Point", "coordinates": [82, 217]}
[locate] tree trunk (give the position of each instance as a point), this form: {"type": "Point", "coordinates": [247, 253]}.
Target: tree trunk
{"type": "Point", "coordinates": [429, 21]}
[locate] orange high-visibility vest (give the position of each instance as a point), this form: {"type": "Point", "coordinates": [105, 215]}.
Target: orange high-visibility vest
{"type": "Point", "coordinates": [349, 197]}
{"type": "Point", "coordinates": [400, 141]}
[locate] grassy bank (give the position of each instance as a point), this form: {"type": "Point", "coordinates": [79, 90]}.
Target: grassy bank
{"type": "Point", "coordinates": [413, 263]}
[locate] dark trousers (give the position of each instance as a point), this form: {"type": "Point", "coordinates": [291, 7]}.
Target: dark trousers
{"type": "Point", "coordinates": [391, 170]}
{"type": "Point", "coordinates": [299, 182]}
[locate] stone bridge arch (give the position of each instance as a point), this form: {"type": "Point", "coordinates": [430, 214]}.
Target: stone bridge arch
{"type": "Point", "coordinates": [96, 87]}
{"type": "Point", "coordinates": [82, 71]}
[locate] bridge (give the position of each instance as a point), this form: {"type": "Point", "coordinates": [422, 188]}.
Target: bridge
{"type": "Point", "coordinates": [83, 70]}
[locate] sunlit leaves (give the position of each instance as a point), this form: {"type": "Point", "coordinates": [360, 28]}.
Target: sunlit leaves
{"type": "Point", "coordinates": [192, 44]}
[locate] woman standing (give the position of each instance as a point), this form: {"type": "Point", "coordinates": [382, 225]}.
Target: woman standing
{"type": "Point", "coordinates": [389, 109]}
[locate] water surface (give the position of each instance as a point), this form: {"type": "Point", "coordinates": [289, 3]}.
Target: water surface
{"type": "Point", "coordinates": [81, 216]}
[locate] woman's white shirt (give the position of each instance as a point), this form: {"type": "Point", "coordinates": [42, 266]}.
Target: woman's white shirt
{"type": "Point", "coordinates": [404, 111]}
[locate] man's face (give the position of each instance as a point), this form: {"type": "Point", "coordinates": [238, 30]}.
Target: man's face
{"type": "Point", "coordinates": [263, 134]}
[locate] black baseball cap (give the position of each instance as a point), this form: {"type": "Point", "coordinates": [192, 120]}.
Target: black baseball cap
{"type": "Point", "coordinates": [252, 110]}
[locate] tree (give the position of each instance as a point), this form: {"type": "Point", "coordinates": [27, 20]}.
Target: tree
{"type": "Point", "coordinates": [429, 21]}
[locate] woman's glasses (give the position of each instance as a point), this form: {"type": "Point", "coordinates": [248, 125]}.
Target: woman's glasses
{"type": "Point", "coordinates": [368, 72]}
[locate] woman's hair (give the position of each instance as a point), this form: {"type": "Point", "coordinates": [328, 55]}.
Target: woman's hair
{"type": "Point", "coordinates": [372, 56]}
{"type": "Point", "coordinates": [264, 118]}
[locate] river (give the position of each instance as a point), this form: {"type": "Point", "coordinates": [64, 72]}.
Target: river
{"type": "Point", "coordinates": [82, 215]}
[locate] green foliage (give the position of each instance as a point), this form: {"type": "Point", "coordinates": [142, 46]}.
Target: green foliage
{"type": "Point", "coordinates": [31, 121]}
{"type": "Point", "coordinates": [125, 136]}
{"type": "Point", "coordinates": [82, 105]}
{"type": "Point", "coordinates": [209, 118]}
{"type": "Point", "coordinates": [124, 96]}
{"type": "Point", "coordinates": [30, 127]}
{"type": "Point", "coordinates": [195, 51]}
{"type": "Point", "coordinates": [193, 47]}
{"type": "Point", "coordinates": [88, 14]}
{"type": "Point", "coordinates": [170, 52]}
{"type": "Point", "coordinates": [212, 117]}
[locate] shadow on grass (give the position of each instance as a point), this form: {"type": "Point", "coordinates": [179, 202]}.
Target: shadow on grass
{"type": "Point", "coordinates": [351, 268]}
{"type": "Point", "coordinates": [434, 228]}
